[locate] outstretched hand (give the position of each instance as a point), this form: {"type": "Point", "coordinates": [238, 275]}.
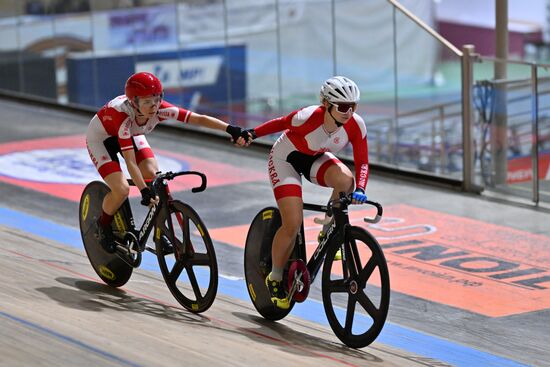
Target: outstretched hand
{"type": "Point", "coordinates": [239, 137]}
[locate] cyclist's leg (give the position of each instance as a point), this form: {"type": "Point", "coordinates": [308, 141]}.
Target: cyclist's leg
{"type": "Point", "coordinates": [283, 244]}
{"type": "Point", "coordinates": [291, 209]}
{"type": "Point", "coordinates": [119, 192]}
{"type": "Point", "coordinates": [103, 155]}
{"type": "Point", "coordinates": [329, 171]}
{"type": "Point", "coordinates": [287, 189]}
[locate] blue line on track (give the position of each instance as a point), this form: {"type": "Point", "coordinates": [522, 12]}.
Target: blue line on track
{"type": "Point", "coordinates": [68, 340]}
{"type": "Point", "coordinates": [393, 335]}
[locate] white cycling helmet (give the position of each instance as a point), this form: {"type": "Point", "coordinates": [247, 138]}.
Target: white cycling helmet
{"type": "Point", "coordinates": [340, 89]}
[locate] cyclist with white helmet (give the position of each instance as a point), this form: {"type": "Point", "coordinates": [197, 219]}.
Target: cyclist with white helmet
{"type": "Point", "coordinates": [311, 136]}
{"type": "Point", "coordinates": [120, 127]}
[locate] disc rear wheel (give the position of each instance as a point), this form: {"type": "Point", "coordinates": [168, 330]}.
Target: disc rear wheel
{"type": "Point", "coordinates": [108, 266]}
{"type": "Point", "coordinates": [257, 263]}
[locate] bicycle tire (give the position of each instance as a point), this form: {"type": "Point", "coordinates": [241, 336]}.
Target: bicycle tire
{"type": "Point", "coordinates": [199, 255]}
{"type": "Point", "coordinates": [357, 330]}
{"type": "Point", "coordinates": [257, 262]}
{"type": "Point", "coordinates": [109, 267]}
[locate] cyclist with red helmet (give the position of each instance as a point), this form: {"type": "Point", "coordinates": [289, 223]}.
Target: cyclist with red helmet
{"type": "Point", "coordinates": [311, 136]}
{"type": "Point", "coordinates": [120, 127]}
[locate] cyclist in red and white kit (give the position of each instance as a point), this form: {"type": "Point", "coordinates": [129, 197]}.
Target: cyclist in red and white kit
{"type": "Point", "coordinates": [120, 127]}
{"type": "Point", "coordinates": [310, 136]}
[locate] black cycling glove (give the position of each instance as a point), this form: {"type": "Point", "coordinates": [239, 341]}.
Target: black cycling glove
{"type": "Point", "coordinates": [246, 137]}
{"type": "Point", "coordinates": [234, 131]}
{"type": "Point", "coordinates": [146, 196]}
{"type": "Point", "coordinates": [237, 132]}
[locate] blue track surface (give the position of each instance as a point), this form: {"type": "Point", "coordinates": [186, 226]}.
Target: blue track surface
{"type": "Point", "coordinates": [311, 310]}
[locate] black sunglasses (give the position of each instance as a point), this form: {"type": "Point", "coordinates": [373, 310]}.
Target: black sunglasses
{"type": "Point", "coordinates": [344, 107]}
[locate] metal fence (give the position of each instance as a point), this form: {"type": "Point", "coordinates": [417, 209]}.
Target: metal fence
{"type": "Point", "coordinates": [430, 108]}
{"type": "Point", "coordinates": [512, 129]}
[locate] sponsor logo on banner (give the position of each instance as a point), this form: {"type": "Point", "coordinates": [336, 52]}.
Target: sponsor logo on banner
{"type": "Point", "coordinates": [192, 72]}
{"type": "Point", "coordinates": [143, 26]}
{"type": "Point", "coordinates": [521, 169]}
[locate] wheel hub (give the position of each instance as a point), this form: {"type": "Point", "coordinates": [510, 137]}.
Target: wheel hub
{"type": "Point", "coordinates": [353, 287]}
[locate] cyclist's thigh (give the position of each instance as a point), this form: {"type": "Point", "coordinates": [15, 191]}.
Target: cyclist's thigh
{"type": "Point", "coordinates": [329, 171]}
{"type": "Point", "coordinates": [285, 181]}
{"type": "Point", "coordinates": [103, 155]}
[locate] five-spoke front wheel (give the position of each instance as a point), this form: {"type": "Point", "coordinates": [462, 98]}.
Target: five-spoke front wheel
{"type": "Point", "coordinates": [186, 256]}
{"type": "Point", "coordinates": [356, 289]}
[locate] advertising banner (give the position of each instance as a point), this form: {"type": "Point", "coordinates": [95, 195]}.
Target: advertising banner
{"type": "Point", "coordinates": [206, 78]}
{"type": "Point", "coordinates": [142, 26]}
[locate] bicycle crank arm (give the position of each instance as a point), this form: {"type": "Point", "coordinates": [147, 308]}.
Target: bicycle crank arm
{"type": "Point", "coordinates": [125, 248]}
{"type": "Point", "coordinates": [296, 285]}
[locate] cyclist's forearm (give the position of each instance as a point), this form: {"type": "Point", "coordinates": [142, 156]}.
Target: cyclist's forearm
{"type": "Point", "coordinates": [207, 121]}
{"type": "Point", "coordinates": [136, 176]}
{"type": "Point", "coordinates": [133, 169]}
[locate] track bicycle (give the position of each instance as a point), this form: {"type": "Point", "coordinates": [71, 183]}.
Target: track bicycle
{"type": "Point", "coordinates": [355, 289]}
{"type": "Point", "coordinates": [182, 245]}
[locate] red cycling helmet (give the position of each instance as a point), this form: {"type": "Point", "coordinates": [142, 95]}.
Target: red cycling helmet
{"type": "Point", "coordinates": [141, 85]}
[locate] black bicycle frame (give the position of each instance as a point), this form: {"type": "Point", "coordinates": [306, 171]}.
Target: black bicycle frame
{"type": "Point", "coordinates": [159, 186]}
{"type": "Point", "coordinates": [335, 235]}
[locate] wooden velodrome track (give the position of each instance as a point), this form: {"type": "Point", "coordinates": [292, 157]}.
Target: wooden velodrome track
{"type": "Point", "coordinates": [55, 311]}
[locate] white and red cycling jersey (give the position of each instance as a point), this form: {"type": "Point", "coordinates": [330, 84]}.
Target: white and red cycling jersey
{"type": "Point", "coordinates": [117, 121]}
{"type": "Point", "coordinates": [305, 134]}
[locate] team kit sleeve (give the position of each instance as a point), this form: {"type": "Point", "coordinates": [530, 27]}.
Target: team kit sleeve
{"type": "Point", "coordinates": [275, 125]}
{"type": "Point", "coordinates": [168, 111]}
{"type": "Point", "coordinates": [125, 136]}
{"type": "Point", "coordinates": [360, 156]}
{"type": "Point", "coordinates": [116, 123]}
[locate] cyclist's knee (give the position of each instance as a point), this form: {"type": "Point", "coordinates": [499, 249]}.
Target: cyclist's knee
{"type": "Point", "coordinates": [121, 190]}
{"type": "Point", "coordinates": [340, 178]}
{"type": "Point", "coordinates": [343, 182]}
{"type": "Point", "coordinates": [149, 168]}
{"type": "Point", "coordinates": [290, 228]}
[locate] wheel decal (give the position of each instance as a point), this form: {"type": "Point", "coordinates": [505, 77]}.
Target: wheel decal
{"type": "Point", "coordinates": [85, 207]}
{"type": "Point", "coordinates": [106, 272]}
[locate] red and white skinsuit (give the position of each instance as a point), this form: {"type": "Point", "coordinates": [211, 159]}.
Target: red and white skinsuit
{"type": "Point", "coordinates": [306, 148]}
{"type": "Point", "coordinates": [114, 128]}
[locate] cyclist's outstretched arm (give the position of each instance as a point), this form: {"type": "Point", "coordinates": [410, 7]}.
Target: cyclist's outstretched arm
{"type": "Point", "coordinates": [210, 122]}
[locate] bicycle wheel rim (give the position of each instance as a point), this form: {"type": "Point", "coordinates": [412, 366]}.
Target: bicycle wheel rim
{"type": "Point", "coordinates": [356, 302]}
{"type": "Point", "coordinates": [192, 278]}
